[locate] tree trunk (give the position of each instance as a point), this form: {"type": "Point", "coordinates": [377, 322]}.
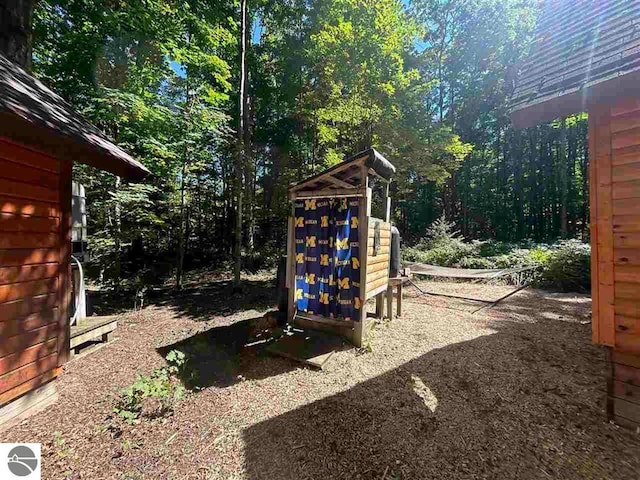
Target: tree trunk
{"type": "Point", "coordinates": [562, 170]}
{"type": "Point", "coordinates": [237, 244]}
{"type": "Point", "coordinates": [15, 31]}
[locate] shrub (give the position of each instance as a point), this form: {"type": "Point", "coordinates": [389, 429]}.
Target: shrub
{"type": "Point", "coordinates": [161, 389]}
{"type": "Point", "coordinates": [567, 267]}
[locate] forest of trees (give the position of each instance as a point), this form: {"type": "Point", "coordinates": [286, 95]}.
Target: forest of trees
{"type": "Point", "coordinates": [228, 101]}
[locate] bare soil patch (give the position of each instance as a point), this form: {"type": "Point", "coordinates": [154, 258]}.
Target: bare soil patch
{"type": "Point", "coordinates": [512, 392]}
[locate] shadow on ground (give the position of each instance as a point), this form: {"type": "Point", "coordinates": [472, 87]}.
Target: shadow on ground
{"type": "Point", "coordinates": [207, 300]}
{"type": "Point", "coordinates": [224, 355]}
{"type": "Point", "coordinates": [524, 402]}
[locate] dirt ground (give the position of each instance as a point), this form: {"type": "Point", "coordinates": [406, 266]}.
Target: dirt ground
{"type": "Point", "coordinates": [512, 392]}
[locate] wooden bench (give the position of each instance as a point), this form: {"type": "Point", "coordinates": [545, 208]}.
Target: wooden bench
{"type": "Point", "coordinates": [92, 328]}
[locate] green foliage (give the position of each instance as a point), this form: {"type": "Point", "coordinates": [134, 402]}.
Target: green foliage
{"type": "Point", "coordinates": [563, 266]}
{"type": "Point", "coordinates": [567, 268]}
{"type": "Point", "coordinates": [161, 386]}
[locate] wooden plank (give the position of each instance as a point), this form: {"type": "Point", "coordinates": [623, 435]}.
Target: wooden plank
{"type": "Point", "coordinates": [17, 291]}
{"type": "Point", "coordinates": [28, 355]}
{"type": "Point", "coordinates": [22, 308]}
{"type": "Point", "coordinates": [26, 156]}
{"type": "Point", "coordinates": [376, 291]}
{"type": "Point", "coordinates": [605, 240]}
{"type": "Point", "coordinates": [628, 308]}
{"type": "Point", "coordinates": [625, 359]}
{"type": "Point", "coordinates": [383, 233]}
{"type": "Point", "coordinates": [92, 334]}
{"type": "Point", "coordinates": [9, 240]}
{"type": "Point", "coordinates": [627, 325]}
{"type": "Point", "coordinates": [376, 267]}
{"type": "Point", "coordinates": [27, 372]}
{"type": "Point", "coordinates": [625, 207]}
{"type": "Point", "coordinates": [625, 106]}
{"type": "Point", "coordinates": [378, 283]}
{"type": "Point", "coordinates": [326, 320]}
{"type": "Point", "coordinates": [27, 273]}
{"type": "Point", "coordinates": [626, 138]}
{"type": "Point", "coordinates": [328, 193]}
{"type": "Point", "coordinates": [20, 206]}
{"type": "Point", "coordinates": [16, 189]}
{"type": "Point", "coordinates": [627, 121]}
{"type": "Point", "coordinates": [628, 274]}
{"type": "Point", "coordinates": [626, 172]}
{"type": "Point", "coordinates": [628, 392]}
{"type": "Point", "coordinates": [384, 250]}
{"type": "Point", "coordinates": [627, 256]}
{"type": "Point", "coordinates": [622, 156]}
{"type": "Point", "coordinates": [628, 342]}
{"type": "Point", "coordinates": [28, 386]}
{"type": "Point", "coordinates": [593, 231]}
{"type": "Point", "coordinates": [378, 259]}
{"type": "Point", "coordinates": [28, 174]}
{"type": "Point", "coordinates": [626, 223]}
{"type": "Point", "coordinates": [629, 189]}
{"type": "Point", "coordinates": [626, 290]}
{"type": "Point", "coordinates": [65, 278]}
{"type": "Point", "coordinates": [627, 374]}
{"type": "Point", "coordinates": [24, 224]}
{"type": "Point", "coordinates": [14, 412]}
{"type": "Point", "coordinates": [626, 409]}
{"type": "Point", "coordinates": [311, 348]}
{"type": "Point", "coordinates": [20, 342]}
{"type": "Point", "coordinates": [360, 327]}
{"type": "Point", "coordinates": [627, 240]}
{"type": "Point", "coordinates": [374, 276]}
{"type": "Point", "coordinates": [18, 326]}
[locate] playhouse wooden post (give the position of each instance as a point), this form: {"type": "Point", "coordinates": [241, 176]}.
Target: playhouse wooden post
{"type": "Point", "coordinates": [360, 327]}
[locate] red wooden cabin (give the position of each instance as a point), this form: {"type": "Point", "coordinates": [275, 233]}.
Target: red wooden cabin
{"type": "Point", "coordinates": [40, 137]}
{"type": "Point", "coordinates": [586, 57]}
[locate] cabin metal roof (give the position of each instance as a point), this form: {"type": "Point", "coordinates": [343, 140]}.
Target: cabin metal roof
{"type": "Point", "coordinates": [348, 173]}
{"type": "Point", "coordinates": [36, 116]}
{"type": "Point", "coordinates": [584, 52]}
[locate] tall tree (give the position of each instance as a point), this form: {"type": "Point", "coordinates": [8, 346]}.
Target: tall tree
{"type": "Point", "coordinates": [15, 31]}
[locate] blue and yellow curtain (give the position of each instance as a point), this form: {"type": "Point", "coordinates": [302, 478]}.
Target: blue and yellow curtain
{"type": "Point", "coordinates": [328, 257]}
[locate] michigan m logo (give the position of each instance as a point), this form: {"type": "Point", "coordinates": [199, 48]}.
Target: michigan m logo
{"type": "Point", "coordinates": [324, 259]}
{"type": "Point", "coordinates": [310, 204]}
{"type": "Point", "coordinates": [354, 222]}
{"type": "Point", "coordinates": [310, 278]}
{"type": "Point", "coordinates": [311, 242]}
{"type": "Point", "coordinates": [300, 258]}
{"type": "Point", "coordinates": [300, 222]}
{"type": "Point", "coordinates": [324, 298]}
{"type": "Point", "coordinates": [324, 221]}
{"type": "Point", "coordinates": [357, 303]}
{"type": "Point", "coordinates": [299, 294]}
{"type": "Point", "coordinates": [355, 263]}
{"type": "Point", "coordinates": [342, 243]}
{"type": "Point", "coordinates": [343, 283]}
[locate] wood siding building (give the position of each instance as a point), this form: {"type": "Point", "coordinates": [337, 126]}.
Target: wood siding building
{"type": "Point", "coordinates": [593, 65]}
{"type": "Point", "coordinates": [40, 138]}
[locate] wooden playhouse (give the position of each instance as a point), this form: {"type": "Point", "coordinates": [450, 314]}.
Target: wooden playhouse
{"type": "Point", "coordinates": [338, 252]}
{"type": "Point", "coordinates": [586, 57]}
{"type": "Point", "coordinates": [40, 138]}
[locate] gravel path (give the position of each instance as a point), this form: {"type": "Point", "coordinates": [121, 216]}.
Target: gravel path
{"type": "Point", "coordinates": [513, 392]}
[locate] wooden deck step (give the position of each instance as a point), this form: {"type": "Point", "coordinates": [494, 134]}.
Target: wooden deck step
{"type": "Point", "coordinates": [92, 328]}
{"type": "Point", "coordinates": [309, 347]}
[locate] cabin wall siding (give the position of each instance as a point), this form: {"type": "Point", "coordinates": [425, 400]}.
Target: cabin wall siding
{"type": "Point", "coordinates": [378, 265]}
{"type": "Point", "coordinates": [33, 267]}
{"type": "Point", "coordinates": [615, 227]}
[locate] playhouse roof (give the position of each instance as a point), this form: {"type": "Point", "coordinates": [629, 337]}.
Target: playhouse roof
{"type": "Point", "coordinates": [348, 173]}
{"type": "Point", "coordinates": [584, 52]}
{"type": "Point", "coordinates": [36, 116]}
